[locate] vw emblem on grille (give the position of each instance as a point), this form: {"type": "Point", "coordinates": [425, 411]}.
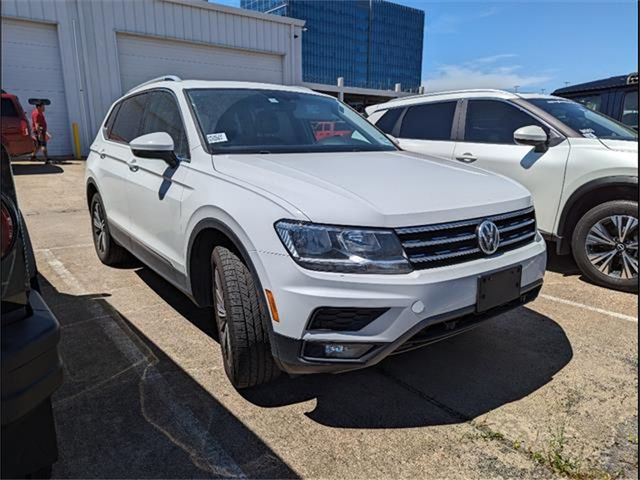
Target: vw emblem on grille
{"type": "Point", "coordinates": [488, 237]}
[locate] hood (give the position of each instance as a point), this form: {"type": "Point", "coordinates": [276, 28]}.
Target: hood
{"type": "Point", "coordinates": [620, 145]}
{"type": "Point", "coordinates": [386, 189]}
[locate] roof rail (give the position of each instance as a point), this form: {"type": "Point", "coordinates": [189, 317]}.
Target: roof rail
{"type": "Point", "coordinates": [445, 92]}
{"type": "Point", "coordinates": [164, 78]}
{"type": "Point", "coordinates": [633, 78]}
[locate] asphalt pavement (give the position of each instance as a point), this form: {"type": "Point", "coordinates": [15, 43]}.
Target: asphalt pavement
{"type": "Point", "coordinates": [547, 390]}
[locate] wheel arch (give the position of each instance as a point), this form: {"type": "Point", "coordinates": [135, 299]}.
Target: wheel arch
{"type": "Point", "coordinates": [589, 195]}
{"type": "Point", "coordinates": [91, 190]}
{"type": "Point", "coordinates": [207, 234]}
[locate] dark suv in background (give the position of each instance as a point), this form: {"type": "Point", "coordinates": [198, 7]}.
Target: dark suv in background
{"type": "Point", "coordinates": [616, 97]}
{"type": "Point", "coordinates": [31, 367]}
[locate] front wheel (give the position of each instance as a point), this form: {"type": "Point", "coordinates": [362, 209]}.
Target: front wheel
{"type": "Point", "coordinates": [605, 245]}
{"type": "Point", "coordinates": [109, 252]}
{"type": "Point", "coordinates": [242, 322]}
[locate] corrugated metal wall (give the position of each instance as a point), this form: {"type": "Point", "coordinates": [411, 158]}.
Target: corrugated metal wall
{"type": "Point", "coordinates": [87, 35]}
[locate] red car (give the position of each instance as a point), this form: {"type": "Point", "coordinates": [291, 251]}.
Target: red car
{"type": "Point", "coordinates": [15, 133]}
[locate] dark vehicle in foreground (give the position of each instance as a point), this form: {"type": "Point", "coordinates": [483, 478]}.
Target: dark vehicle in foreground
{"type": "Point", "coordinates": [31, 366]}
{"type": "Point", "coordinates": [15, 133]}
{"type": "Point", "coordinates": [616, 97]}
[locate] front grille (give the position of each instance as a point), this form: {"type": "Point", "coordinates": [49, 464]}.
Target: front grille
{"type": "Point", "coordinates": [343, 319]}
{"type": "Point", "coordinates": [443, 244]}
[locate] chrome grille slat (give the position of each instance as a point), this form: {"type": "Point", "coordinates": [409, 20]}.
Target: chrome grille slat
{"type": "Point", "coordinates": [439, 241]}
{"type": "Point", "coordinates": [444, 256]}
{"type": "Point", "coordinates": [462, 223]}
{"type": "Point", "coordinates": [517, 239]}
{"type": "Point", "coordinates": [432, 246]}
{"type": "Point", "coordinates": [517, 226]}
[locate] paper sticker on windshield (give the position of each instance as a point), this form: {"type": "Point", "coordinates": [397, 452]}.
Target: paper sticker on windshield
{"type": "Point", "coordinates": [217, 137]}
{"type": "Point", "coordinates": [273, 100]}
{"type": "Point", "coordinates": [588, 133]}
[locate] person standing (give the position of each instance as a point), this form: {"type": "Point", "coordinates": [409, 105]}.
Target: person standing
{"type": "Point", "coordinates": [40, 134]}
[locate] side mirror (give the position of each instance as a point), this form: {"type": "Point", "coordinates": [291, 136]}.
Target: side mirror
{"type": "Point", "coordinates": [157, 145]}
{"type": "Point", "coordinates": [534, 136]}
{"type": "Point", "coordinates": [393, 139]}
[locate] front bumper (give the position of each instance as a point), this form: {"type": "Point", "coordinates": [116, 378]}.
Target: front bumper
{"type": "Point", "coordinates": [430, 330]}
{"type": "Point", "coordinates": [447, 294]}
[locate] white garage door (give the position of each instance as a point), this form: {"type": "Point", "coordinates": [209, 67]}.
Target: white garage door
{"type": "Point", "coordinates": [142, 59]}
{"type": "Point", "coordinates": [31, 68]}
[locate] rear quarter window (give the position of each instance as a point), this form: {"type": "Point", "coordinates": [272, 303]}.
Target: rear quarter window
{"type": "Point", "coordinates": [389, 120]}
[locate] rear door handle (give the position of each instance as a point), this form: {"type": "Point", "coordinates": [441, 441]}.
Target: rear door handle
{"type": "Point", "coordinates": [467, 158]}
{"type": "Point", "coordinates": [132, 165]}
{"type": "Point", "coordinates": [102, 154]}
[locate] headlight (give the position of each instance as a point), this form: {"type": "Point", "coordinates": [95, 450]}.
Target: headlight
{"type": "Point", "coordinates": [343, 249]}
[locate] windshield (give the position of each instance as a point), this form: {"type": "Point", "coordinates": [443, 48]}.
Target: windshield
{"type": "Point", "coordinates": [272, 121]}
{"type": "Point", "coordinates": [588, 123]}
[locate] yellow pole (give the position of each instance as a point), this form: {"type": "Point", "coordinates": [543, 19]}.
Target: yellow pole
{"type": "Point", "coordinates": [76, 140]}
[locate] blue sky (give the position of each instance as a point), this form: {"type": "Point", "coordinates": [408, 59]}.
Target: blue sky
{"type": "Point", "coordinates": [535, 45]}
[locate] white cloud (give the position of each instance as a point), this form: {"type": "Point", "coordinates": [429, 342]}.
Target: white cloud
{"type": "Point", "coordinates": [448, 24]}
{"type": "Point", "coordinates": [482, 73]}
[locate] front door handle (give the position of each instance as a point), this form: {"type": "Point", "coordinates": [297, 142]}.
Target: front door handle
{"type": "Point", "coordinates": [467, 158]}
{"type": "Point", "coordinates": [132, 165]}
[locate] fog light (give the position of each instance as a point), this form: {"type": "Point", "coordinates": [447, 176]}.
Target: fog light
{"type": "Point", "coordinates": [336, 350]}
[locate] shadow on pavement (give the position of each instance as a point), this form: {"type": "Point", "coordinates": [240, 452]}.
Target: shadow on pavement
{"type": "Point", "coordinates": [127, 410]}
{"type": "Point", "coordinates": [562, 264]}
{"type": "Point", "coordinates": [503, 360]}
{"type": "Point", "coordinates": [35, 168]}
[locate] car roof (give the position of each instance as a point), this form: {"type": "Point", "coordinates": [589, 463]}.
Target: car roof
{"type": "Point", "coordinates": [219, 84]}
{"type": "Point", "coordinates": [444, 95]}
{"type": "Point", "coordinates": [604, 83]}
{"type": "Point", "coordinates": [454, 95]}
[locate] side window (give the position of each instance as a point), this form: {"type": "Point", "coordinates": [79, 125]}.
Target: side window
{"type": "Point", "coordinates": [630, 109]}
{"type": "Point", "coordinates": [430, 121]}
{"type": "Point", "coordinates": [109, 123]}
{"type": "Point", "coordinates": [8, 108]}
{"type": "Point", "coordinates": [490, 121]}
{"type": "Point", "coordinates": [128, 120]}
{"type": "Point", "coordinates": [388, 120]}
{"type": "Point", "coordinates": [592, 102]}
{"type": "Point", "coordinates": [163, 115]}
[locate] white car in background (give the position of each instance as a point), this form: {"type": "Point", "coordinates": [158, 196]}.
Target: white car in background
{"type": "Point", "coordinates": [318, 253]}
{"type": "Point", "coordinates": [580, 166]}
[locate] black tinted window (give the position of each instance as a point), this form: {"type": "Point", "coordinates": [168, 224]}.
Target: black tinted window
{"type": "Point", "coordinates": [8, 108]}
{"type": "Point", "coordinates": [112, 116]}
{"type": "Point", "coordinates": [163, 115]}
{"type": "Point", "coordinates": [592, 102]}
{"type": "Point", "coordinates": [489, 121]}
{"type": "Point", "coordinates": [432, 121]}
{"type": "Point", "coordinates": [388, 120]}
{"type": "Point", "coordinates": [128, 121]}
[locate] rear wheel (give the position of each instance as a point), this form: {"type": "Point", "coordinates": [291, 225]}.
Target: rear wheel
{"type": "Point", "coordinates": [605, 245]}
{"type": "Point", "coordinates": [242, 322]}
{"type": "Point", "coordinates": [109, 252]}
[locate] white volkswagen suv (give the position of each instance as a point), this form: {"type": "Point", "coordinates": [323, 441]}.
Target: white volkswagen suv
{"type": "Point", "coordinates": [580, 166]}
{"type": "Point", "coordinates": [318, 253]}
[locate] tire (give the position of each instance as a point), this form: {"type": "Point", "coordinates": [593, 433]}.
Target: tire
{"type": "Point", "coordinates": [241, 318]}
{"type": "Point", "coordinates": [108, 251]}
{"type": "Point", "coordinates": [605, 245]}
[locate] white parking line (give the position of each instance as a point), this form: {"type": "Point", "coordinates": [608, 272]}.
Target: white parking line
{"type": "Point", "coordinates": [620, 316]}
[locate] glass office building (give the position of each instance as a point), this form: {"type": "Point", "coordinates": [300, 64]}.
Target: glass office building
{"type": "Point", "coordinates": [371, 43]}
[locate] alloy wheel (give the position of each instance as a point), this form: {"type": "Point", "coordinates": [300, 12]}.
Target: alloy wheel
{"type": "Point", "coordinates": [99, 228]}
{"type": "Point", "coordinates": [221, 315]}
{"type": "Point", "coordinates": [612, 246]}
